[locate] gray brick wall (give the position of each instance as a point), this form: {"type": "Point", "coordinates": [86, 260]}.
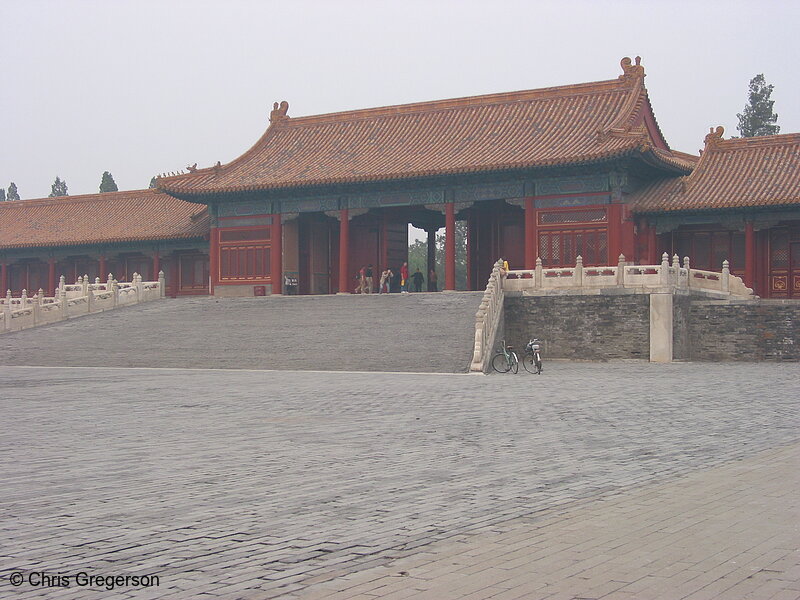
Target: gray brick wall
{"type": "Point", "coordinates": [681, 335]}
{"type": "Point", "coordinates": [762, 330]}
{"type": "Point", "coordinates": [581, 327]}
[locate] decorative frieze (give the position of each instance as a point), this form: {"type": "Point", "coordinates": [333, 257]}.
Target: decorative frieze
{"type": "Point", "coordinates": [243, 209]}
{"type": "Point", "coordinates": [571, 185]}
{"type": "Point", "coordinates": [497, 191]}
{"type": "Point", "coordinates": [567, 201]}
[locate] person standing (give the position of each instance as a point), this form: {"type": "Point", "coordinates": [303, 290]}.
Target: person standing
{"type": "Point", "coordinates": [404, 278]}
{"type": "Point", "coordinates": [433, 281]}
{"type": "Point", "coordinates": [417, 278]}
{"type": "Point", "coordinates": [386, 281]}
{"type": "Point", "coordinates": [360, 280]}
{"type": "Point", "coordinates": [368, 279]}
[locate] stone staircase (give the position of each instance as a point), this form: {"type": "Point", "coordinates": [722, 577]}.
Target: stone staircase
{"type": "Point", "coordinates": [426, 332]}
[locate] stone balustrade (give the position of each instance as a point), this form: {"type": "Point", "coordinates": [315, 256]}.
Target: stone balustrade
{"type": "Point", "coordinates": [645, 278]}
{"type": "Point", "coordinates": [72, 300]}
{"type": "Point", "coordinates": [487, 320]}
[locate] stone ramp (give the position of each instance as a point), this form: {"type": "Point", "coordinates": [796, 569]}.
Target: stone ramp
{"type": "Point", "coordinates": [426, 332]}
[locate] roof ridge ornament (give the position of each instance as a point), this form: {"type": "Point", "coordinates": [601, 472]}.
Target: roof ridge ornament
{"type": "Point", "coordinates": [279, 111]}
{"type": "Point", "coordinates": [631, 72]}
{"type": "Point", "coordinates": [714, 137]}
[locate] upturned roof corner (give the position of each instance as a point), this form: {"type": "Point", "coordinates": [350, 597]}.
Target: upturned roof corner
{"type": "Point", "coordinates": [278, 112]}
{"type": "Point", "coordinates": [631, 73]}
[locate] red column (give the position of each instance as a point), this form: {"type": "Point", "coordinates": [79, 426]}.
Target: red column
{"type": "Point", "coordinates": [3, 278]}
{"type": "Point", "coordinates": [749, 254]}
{"type": "Point", "coordinates": [213, 259]}
{"type": "Point", "coordinates": [614, 233]}
{"type": "Point", "coordinates": [103, 269]}
{"type": "Point", "coordinates": [344, 246]}
{"type": "Point", "coordinates": [470, 222]}
{"type": "Point", "coordinates": [156, 266]}
{"type": "Point", "coordinates": [652, 245]}
{"type": "Point", "coordinates": [449, 246]}
{"type": "Point", "coordinates": [530, 235]}
{"type": "Point", "coordinates": [51, 277]}
{"type": "Point", "coordinates": [276, 255]}
{"type": "Point", "coordinates": [628, 235]}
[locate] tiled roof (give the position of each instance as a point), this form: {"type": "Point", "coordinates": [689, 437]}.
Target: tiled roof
{"type": "Point", "coordinates": [546, 127]}
{"type": "Point", "coordinates": [737, 173]}
{"type": "Point", "coordinates": [99, 218]}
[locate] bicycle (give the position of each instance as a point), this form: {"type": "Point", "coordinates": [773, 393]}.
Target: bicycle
{"type": "Point", "coordinates": [505, 360]}
{"type": "Point", "coordinates": [532, 361]}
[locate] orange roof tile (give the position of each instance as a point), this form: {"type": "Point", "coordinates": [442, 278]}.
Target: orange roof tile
{"type": "Point", "coordinates": [736, 173]}
{"type": "Point", "coordinates": [552, 126]}
{"type": "Point", "coordinates": [99, 218]}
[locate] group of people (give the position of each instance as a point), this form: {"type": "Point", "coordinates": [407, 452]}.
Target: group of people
{"type": "Point", "coordinates": [390, 281]}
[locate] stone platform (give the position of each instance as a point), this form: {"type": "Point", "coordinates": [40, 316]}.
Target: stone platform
{"type": "Point", "coordinates": [426, 332]}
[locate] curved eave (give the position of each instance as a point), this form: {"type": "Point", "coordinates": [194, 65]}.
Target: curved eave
{"type": "Point", "coordinates": [715, 209]}
{"type": "Point", "coordinates": [648, 155]}
{"type": "Point", "coordinates": [73, 243]}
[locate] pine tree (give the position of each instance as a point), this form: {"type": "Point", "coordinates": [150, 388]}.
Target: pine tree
{"type": "Point", "coordinates": [13, 194]}
{"type": "Point", "coordinates": [107, 183]}
{"type": "Point", "coordinates": [2, 195]}
{"type": "Point", "coordinates": [59, 188]}
{"type": "Point", "coordinates": [758, 118]}
{"type": "Point", "coordinates": [152, 182]}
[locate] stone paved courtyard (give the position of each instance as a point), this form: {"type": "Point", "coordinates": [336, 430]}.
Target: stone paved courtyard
{"type": "Point", "coordinates": [258, 484]}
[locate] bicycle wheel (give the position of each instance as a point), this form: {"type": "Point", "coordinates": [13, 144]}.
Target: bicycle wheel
{"type": "Point", "coordinates": [500, 363]}
{"type": "Point", "coordinates": [514, 362]}
{"type": "Point", "coordinates": [530, 364]}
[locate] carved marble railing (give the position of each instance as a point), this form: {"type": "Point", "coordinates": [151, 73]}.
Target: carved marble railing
{"type": "Point", "coordinates": [487, 320]}
{"type": "Point", "coordinates": [643, 277]}
{"type": "Point", "coordinates": [72, 300]}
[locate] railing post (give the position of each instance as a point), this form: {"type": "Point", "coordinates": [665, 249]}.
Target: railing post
{"type": "Point", "coordinates": [726, 276]}
{"type": "Point", "coordinates": [162, 285]}
{"type": "Point", "coordinates": [89, 299]}
{"type": "Point", "coordinates": [112, 285]}
{"type": "Point", "coordinates": [62, 298]}
{"type": "Point", "coordinates": [37, 306]}
{"type": "Point", "coordinates": [578, 276]}
{"type": "Point", "coordinates": [663, 272]}
{"type": "Point", "coordinates": [62, 282]}
{"type": "Point", "coordinates": [85, 285]}
{"type": "Point", "coordinates": [621, 270]}
{"type": "Point", "coordinates": [7, 312]}
{"type": "Point", "coordinates": [139, 288]}
{"type": "Point", "coordinates": [686, 262]}
{"type": "Point", "coordinates": [537, 278]}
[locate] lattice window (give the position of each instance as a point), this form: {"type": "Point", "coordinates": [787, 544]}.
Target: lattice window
{"type": "Point", "coordinates": [589, 215]}
{"type": "Point", "coordinates": [779, 255]}
{"type": "Point", "coordinates": [561, 248]}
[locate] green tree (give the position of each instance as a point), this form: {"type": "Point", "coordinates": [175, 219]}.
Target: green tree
{"type": "Point", "coordinates": [153, 182]}
{"type": "Point", "coordinates": [2, 195]}
{"type": "Point", "coordinates": [107, 183]}
{"type": "Point", "coordinates": [757, 117]}
{"type": "Point", "coordinates": [59, 188]}
{"type": "Point", "coordinates": [13, 194]}
{"type": "Point", "coordinates": [418, 257]}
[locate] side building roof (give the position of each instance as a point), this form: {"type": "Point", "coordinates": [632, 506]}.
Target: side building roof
{"type": "Point", "coordinates": [737, 173]}
{"type": "Point", "coordinates": [573, 124]}
{"type": "Point", "coordinates": [99, 218]}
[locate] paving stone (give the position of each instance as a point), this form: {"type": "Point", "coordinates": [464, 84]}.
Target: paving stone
{"type": "Point", "coordinates": [203, 476]}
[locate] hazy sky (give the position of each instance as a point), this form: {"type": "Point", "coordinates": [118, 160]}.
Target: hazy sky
{"type": "Point", "coordinates": [140, 87]}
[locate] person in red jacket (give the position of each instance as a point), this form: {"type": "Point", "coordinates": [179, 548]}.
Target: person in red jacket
{"type": "Point", "coordinates": [404, 278]}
